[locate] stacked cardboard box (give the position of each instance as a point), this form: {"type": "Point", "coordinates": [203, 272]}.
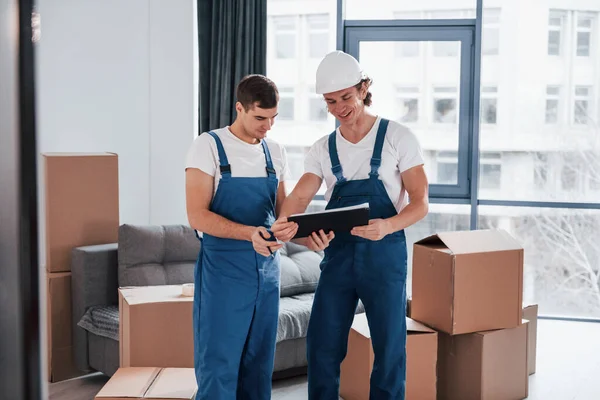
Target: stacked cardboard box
{"type": "Point", "coordinates": [467, 290]}
{"type": "Point", "coordinates": [469, 287]}
{"type": "Point", "coordinates": [81, 200]}
{"type": "Point", "coordinates": [421, 357]}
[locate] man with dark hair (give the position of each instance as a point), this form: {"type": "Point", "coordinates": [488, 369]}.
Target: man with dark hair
{"type": "Point", "coordinates": [367, 159]}
{"type": "Point", "coordinates": [234, 191]}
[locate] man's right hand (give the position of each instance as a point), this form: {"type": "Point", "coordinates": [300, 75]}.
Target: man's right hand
{"type": "Point", "coordinates": [284, 230]}
{"type": "Point", "coordinates": [319, 241]}
{"type": "Point", "coordinates": [261, 246]}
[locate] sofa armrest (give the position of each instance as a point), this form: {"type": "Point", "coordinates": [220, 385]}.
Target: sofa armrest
{"type": "Point", "coordinates": [94, 281]}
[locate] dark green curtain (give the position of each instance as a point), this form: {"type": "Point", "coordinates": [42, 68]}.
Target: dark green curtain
{"type": "Point", "coordinates": [232, 43]}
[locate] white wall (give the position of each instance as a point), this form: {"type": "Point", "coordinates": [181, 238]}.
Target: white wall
{"type": "Point", "coordinates": [119, 76]}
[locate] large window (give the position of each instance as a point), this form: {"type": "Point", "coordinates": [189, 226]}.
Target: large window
{"type": "Point", "coordinates": [562, 255]}
{"type": "Point", "coordinates": [299, 34]}
{"type": "Point", "coordinates": [545, 152]}
{"type": "Point", "coordinates": [537, 130]}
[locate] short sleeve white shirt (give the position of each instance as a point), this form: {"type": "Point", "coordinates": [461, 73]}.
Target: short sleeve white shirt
{"type": "Point", "coordinates": [245, 159]}
{"type": "Point", "coordinates": [401, 151]}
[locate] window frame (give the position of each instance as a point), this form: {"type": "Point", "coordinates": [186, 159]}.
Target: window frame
{"type": "Point", "coordinates": [430, 31]}
{"type": "Point", "coordinates": [474, 200]}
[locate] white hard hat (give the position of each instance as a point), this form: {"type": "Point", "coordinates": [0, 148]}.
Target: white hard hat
{"type": "Point", "coordinates": [337, 71]}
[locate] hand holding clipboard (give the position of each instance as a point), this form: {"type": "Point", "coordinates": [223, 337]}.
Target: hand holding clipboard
{"type": "Point", "coordinates": [336, 220]}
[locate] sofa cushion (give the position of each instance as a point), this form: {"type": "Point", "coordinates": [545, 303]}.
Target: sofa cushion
{"type": "Point", "coordinates": [101, 321]}
{"type": "Point", "coordinates": [157, 255]}
{"type": "Point", "coordinates": [300, 270]}
{"type": "Point", "coordinates": [294, 314]}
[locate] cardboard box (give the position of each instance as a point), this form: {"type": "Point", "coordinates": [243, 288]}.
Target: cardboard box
{"type": "Point", "coordinates": [421, 359]}
{"type": "Point", "coordinates": [155, 327]}
{"type": "Point", "coordinates": [484, 365]}
{"type": "Point", "coordinates": [530, 313]}
{"type": "Point", "coordinates": [61, 365]}
{"type": "Point", "coordinates": [81, 204]}
{"type": "Point", "coordinates": [150, 383]}
{"type": "Point", "coordinates": [467, 281]}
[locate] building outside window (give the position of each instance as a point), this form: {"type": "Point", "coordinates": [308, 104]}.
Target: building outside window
{"type": "Point", "coordinates": [584, 34]}
{"type": "Point", "coordinates": [447, 167]}
{"type": "Point", "coordinates": [317, 107]}
{"type": "Point", "coordinates": [540, 170]}
{"type": "Point", "coordinates": [552, 104]}
{"type": "Point", "coordinates": [407, 100]}
{"type": "Point", "coordinates": [445, 100]}
{"type": "Point", "coordinates": [489, 104]}
{"type": "Point", "coordinates": [556, 21]}
{"type": "Point", "coordinates": [490, 41]}
{"type": "Point", "coordinates": [318, 35]}
{"type": "Point", "coordinates": [581, 105]}
{"type": "Point", "coordinates": [286, 103]}
{"type": "Point", "coordinates": [490, 170]}
{"type": "Point", "coordinates": [285, 36]}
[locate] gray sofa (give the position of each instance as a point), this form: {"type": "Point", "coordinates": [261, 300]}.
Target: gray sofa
{"type": "Point", "coordinates": [160, 255]}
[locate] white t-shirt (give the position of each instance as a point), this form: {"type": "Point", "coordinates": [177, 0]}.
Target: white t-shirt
{"type": "Point", "coordinates": [401, 151]}
{"type": "Point", "coordinates": [246, 160]}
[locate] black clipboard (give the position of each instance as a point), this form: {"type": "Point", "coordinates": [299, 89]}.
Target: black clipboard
{"type": "Point", "coordinates": [336, 220]}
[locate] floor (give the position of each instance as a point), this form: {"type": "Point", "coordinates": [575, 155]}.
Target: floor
{"type": "Point", "coordinates": [568, 368]}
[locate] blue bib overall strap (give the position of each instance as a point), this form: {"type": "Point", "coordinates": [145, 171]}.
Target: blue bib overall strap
{"type": "Point", "coordinates": [336, 167]}
{"type": "Point", "coordinates": [271, 173]}
{"type": "Point", "coordinates": [376, 158]}
{"type": "Point", "coordinates": [236, 301]}
{"type": "Point", "coordinates": [356, 268]}
{"type": "Point", "coordinates": [224, 166]}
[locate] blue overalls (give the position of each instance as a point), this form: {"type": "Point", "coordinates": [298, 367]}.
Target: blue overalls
{"type": "Point", "coordinates": [236, 301]}
{"type": "Point", "coordinates": [353, 268]}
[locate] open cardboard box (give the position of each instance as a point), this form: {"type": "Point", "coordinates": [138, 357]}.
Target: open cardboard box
{"type": "Point", "coordinates": [421, 359]}
{"type": "Point", "coordinates": [138, 383]}
{"type": "Point", "coordinates": [467, 281]}
{"type": "Point", "coordinates": [155, 327]}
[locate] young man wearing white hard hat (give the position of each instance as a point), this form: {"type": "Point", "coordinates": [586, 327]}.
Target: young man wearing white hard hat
{"type": "Point", "coordinates": [367, 159]}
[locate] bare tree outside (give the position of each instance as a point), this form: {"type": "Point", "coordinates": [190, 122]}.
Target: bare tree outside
{"type": "Point", "coordinates": [562, 248]}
